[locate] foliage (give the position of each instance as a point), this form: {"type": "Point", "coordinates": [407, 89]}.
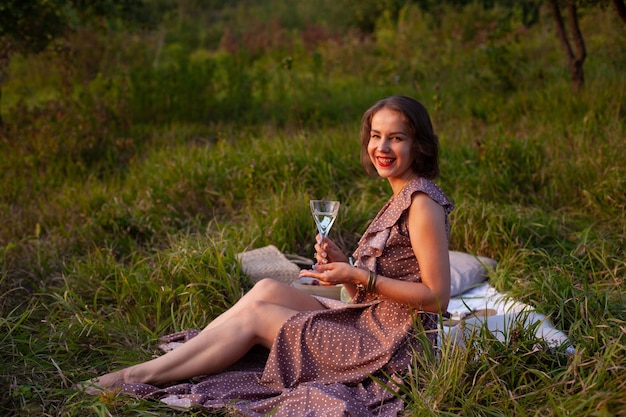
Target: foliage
{"type": "Point", "coordinates": [134, 168]}
{"type": "Point", "coordinates": [30, 26]}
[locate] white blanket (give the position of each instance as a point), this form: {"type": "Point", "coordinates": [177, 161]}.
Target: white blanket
{"type": "Point", "coordinates": [508, 314]}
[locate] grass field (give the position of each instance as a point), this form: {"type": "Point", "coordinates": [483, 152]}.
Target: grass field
{"type": "Point", "coordinates": [132, 175]}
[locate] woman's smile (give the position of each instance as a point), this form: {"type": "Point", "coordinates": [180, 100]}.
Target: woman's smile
{"type": "Point", "coordinates": [385, 162]}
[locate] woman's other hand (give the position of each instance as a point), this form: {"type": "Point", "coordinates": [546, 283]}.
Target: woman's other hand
{"type": "Point", "coordinates": [327, 251]}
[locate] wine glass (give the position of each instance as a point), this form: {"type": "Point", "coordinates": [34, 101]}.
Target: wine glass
{"type": "Point", "coordinates": [324, 212]}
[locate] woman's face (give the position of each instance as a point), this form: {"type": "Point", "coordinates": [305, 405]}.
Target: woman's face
{"type": "Point", "coordinates": [390, 146]}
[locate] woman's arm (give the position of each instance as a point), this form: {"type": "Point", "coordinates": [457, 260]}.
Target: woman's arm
{"type": "Point", "coordinates": [426, 223]}
{"type": "Point", "coordinates": [427, 229]}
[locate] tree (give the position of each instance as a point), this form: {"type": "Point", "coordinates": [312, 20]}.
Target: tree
{"type": "Point", "coordinates": [575, 49]}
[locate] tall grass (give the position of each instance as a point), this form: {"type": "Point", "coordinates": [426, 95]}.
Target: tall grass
{"type": "Point", "coordinates": [129, 182]}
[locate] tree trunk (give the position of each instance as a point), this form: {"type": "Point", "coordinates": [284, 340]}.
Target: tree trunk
{"type": "Point", "coordinates": [575, 55]}
{"type": "Point", "coordinates": [620, 6]}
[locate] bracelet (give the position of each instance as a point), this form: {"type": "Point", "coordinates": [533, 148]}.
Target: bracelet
{"type": "Point", "coordinates": [372, 277]}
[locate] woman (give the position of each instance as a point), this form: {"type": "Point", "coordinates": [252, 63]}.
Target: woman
{"type": "Point", "coordinates": [321, 351]}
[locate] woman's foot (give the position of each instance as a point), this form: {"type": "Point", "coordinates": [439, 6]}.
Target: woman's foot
{"type": "Point", "coordinates": [110, 382]}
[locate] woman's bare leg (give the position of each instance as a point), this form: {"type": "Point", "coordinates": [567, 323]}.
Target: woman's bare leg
{"type": "Point", "coordinates": [274, 292]}
{"type": "Point", "coordinates": [255, 319]}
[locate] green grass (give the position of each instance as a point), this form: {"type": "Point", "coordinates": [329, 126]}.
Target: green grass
{"type": "Point", "coordinates": [123, 204]}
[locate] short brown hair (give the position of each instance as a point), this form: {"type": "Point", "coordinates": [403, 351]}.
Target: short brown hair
{"type": "Point", "coordinates": [419, 127]}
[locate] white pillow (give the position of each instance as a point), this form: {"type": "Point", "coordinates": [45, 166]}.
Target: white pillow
{"type": "Point", "coordinates": [467, 270]}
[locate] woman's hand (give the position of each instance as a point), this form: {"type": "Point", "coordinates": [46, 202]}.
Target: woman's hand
{"type": "Point", "coordinates": [332, 265]}
{"type": "Point", "coordinates": [336, 273]}
{"type": "Point", "coordinates": [327, 251]}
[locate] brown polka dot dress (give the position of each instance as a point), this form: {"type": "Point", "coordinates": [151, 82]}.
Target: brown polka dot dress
{"type": "Point", "coordinates": [321, 363]}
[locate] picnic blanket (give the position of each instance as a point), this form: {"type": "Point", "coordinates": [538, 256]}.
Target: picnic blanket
{"type": "Point", "coordinates": [504, 314]}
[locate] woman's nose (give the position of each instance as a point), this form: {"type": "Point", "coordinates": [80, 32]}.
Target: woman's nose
{"type": "Point", "coordinates": [383, 145]}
